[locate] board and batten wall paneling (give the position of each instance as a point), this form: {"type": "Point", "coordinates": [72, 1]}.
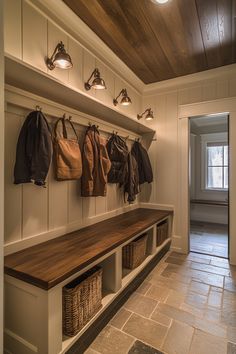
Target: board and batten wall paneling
{"type": "Point", "coordinates": [76, 72]}
{"type": "Point", "coordinates": [34, 212]}
{"type": "Point", "coordinates": [12, 28]}
{"type": "Point", "coordinates": [13, 193]}
{"type": "Point", "coordinates": [34, 27]}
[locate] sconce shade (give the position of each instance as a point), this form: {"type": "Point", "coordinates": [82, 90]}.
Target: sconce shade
{"type": "Point", "coordinates": [149, 115]}
{"type": "Point", "coordinates": [125, 100]}
{"type": "Point", "coordinates": [62, 60]}
{"type": "Point", "coordinates": [59, 59]}
{"type": "Point", "coordinates": [98, 83]}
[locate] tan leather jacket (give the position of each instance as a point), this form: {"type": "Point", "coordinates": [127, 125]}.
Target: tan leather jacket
{"type": "Point", "coordinates": [96, 164]}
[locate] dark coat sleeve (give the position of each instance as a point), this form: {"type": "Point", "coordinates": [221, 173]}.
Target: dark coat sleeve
{"type": "Point", "coordinates": [34, 150]}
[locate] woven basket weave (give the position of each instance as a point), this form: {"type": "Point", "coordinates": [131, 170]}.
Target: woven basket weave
{"type": "Point", "coordinates": [162, 232]}
{"type": "Point", "coordinates": [134, 253]}
{"type": "Point", "coordinates": [82, 299]}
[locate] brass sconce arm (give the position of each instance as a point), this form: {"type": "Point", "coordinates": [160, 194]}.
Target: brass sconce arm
{"type": "Point", "coordinates": [123, 92]}
{"type": "Point", "coordinates": [87, 84]}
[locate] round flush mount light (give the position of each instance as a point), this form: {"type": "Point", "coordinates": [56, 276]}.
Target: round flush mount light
{"type": "Point", "coordinates": [160, 1]}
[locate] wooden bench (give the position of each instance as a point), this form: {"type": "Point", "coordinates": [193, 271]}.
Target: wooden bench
{"type": "Point", "coordinates": [35, 278]}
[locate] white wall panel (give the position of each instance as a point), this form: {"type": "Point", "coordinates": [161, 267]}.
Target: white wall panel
{"type": "Point", "coordinates": [232, 87]}
{"type": "Point", "coordinates": [55, 35]}
{"type": "Point", "coordinates": [58, 203]}
{"type": "Point", "coordinates": [209, 91]}
{"type": "Point", "coordinates": [12, 28]}
{"type": "Point", "coordinates": [183, 96]}
{"type": "Point", "coordinates": [13, 193]}
{"type": "Point", "coordinates": [35, 210]}
{"type": "Point", "coordinates": [75, 212]}
{"type": "Point", "coordinates": [88, 67]}
{"type": "Point", "coordinates": [76, 72]}
{"type": "Point", "coordinates": [34, 37]}
{"type": "Point", "coordinates": [89, 207]}
{"type": "Point", "coordinates": [222, 88]}
{"type": "Point", "coordinates": [100, 205]}
{"type": "Point", "coordinates": [195, 94]}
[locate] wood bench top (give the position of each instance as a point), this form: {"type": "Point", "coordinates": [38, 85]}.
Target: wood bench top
{"type": "Point", "coordinates": [49, 263]}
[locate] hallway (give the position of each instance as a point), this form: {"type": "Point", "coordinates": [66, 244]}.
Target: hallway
{"type": "Point", "coordinates": [187, 305]}
{"type": "Point", "coordinates": [209, 238]}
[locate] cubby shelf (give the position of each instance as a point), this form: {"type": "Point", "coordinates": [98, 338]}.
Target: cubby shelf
{"type": "Point", "coordinates": [108, 297]}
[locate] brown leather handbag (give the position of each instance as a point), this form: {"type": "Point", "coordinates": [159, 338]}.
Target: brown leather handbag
{"type": "Point", "coordinates": [67, 155]}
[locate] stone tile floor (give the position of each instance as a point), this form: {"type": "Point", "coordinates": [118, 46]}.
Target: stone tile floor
{"type": "Point", "coordinates": [209, 238]}
{"type": "Point", "coordinates": [187, 305]}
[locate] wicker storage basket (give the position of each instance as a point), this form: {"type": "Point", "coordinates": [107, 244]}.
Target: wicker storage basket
{"type": "Point", "coordinates": [162, 232]}
{"type": "Point", "coordinates": [134, 253]}
{"type": "Point", "coordinates": [82, 298]}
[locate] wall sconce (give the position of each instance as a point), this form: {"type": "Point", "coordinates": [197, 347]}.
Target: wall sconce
{"type": "Point", "coordinates": [98, 83]}
{"type": "Point", "coordinates": [149, 115]}
{"type": "Point", "coordinates": [125, 100]}
{"type": "Point", "coordinates": [59, 59]}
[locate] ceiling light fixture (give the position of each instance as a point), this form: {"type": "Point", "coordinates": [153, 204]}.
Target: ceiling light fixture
{"type": "Point", "coordinates": [149, 115]}
{"type": "Point", "coordinates": [160, 1]}
{"type": "Point", "coordinates": [125, 100]}
{"type": "Point", "coordinates": [98, 83]}
{"type": "Point", "coordinates": [59, 59]}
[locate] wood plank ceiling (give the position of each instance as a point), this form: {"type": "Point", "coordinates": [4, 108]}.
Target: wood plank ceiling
{"type": "Point", "coordinates": [160, 42]}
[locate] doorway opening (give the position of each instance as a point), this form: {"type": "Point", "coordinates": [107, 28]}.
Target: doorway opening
{"type": "Point", "coordinates": [209, 185]}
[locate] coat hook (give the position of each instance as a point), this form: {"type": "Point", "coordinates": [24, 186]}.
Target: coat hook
{"type": "Point", "coordinates": [64, 116]}
{"type": "Point", "coordinates": [38, 108]}
{"type": "Point", "coordinates": [70, 118]}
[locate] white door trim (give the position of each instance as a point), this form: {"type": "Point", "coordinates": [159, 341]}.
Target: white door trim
{"type": "Point", "coordinates": [226, 105]}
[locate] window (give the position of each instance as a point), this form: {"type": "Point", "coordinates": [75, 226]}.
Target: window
{"type": "Point", "coordinates": [217, 166]}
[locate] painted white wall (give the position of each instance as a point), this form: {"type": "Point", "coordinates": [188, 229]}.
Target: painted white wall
{"type": "Point", "coordinates": [166, 100]}
{"type": "Point", "coordinates": [1, 171]}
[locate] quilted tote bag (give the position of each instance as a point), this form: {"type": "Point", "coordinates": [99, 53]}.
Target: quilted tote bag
{"type": "Point", "coordinates": [67, 155]}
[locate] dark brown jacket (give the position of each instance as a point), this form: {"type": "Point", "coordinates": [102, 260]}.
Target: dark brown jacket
{"type": "Point", "coordinates": [96, 164]}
